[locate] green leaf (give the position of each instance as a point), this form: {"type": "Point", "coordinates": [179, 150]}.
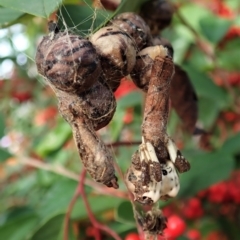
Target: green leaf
{"type": "Point", "coordinates": [193, 13]}
{"type": "Point", "coordinates": [125, 6]}
{"type": "Point", "coordinates": [130, 6]}
{"type": "Point", "coordinates": [182, 238]}
{"type": "Point", "coordinates": [8, 15]}
{"type": "Point", "coordinates": [2, 121]}
{"type": "Point", "coordinates": [41, 8]}
{"type": "Point", "coordinates": [181, 42]}
{"type": "Point", "coordinates": [19, 228]}
{"type": "Point", "coordinates": [231, 145]}
{"type": "Point", "coordinates": [57, 198]}
{"type": "Point", "coordinates": [206, 169]}
{"type": "Point", "coordinates": [208, 111]}
{"type": "Point", "coordinates": [130, 100]}
{"type": "Point", "coordinates": [122, 228]}
{"type": "Point", "coordinates": [82, 18]}
{"type": "Point", "coordinates": [226, 226]}
{"type": "Point", "coordinates": [207, 225]}
{"type": "Point", "coordinates": [124, 213]}
{"type": "Point", "coordinates": [234, 4]}
{"type": "Point", "coordinates": [205, 87]}
{"type": "Point", "coordinates": [86, 19]}
{"type": "Point", "coordinates": [54, 139]}
{"type": "Point", "coordinates": [4, 155]}
{"type": "Point", "coordinates": [98, 203]}
{"type": "Point", "coordinates": [214, 28]}
{"type": "Point", "coordinates": [117, 123]}
{"type": "Point", "coordinates": [228, 58]}
{"type": "Point", "coordinates": [50, 229]}
{"type": "Point", "coordinates": [199, 60]}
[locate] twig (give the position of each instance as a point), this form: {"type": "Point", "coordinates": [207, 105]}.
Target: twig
{"type": "Point", "coordinates": [66, 173]}
{"type": "Point", "coordinates": [204, 46]}
{"type": "Point", "coordinates": [209, 52]}
{"type": "Point", "coordinates": [119, 144]}
{"type": "Point", "coordinates": [91, 216]}
{"type": "Point", "coordinates": [71, 205]}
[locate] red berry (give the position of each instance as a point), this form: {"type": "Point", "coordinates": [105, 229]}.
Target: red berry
{"type": "Point", "coordinates": [22, 96]}
{"type": "Point", "coordinates": [92, 232]}
{"type": "Point", "coordinates": [230, 116]}
{"type": "Point", "coordinates": [45, 115]}
{"type": "Point", "coordinates": [132, 236]}
{"type": "Point", "coordinates": [167, 211]}
{"type": "Point", "coordinates": [218, 192]}
{"type": "Point", "coordinates": [233, 32]}
{"type": "Point", "coordinates": [193, 234]}
{"type": "Point", "coordinates": [216, 235]}
{"type": "Point", "coordinates": [203, 193]}
{"type": "Point", "coordinates": [175, 227]}
{"type": "Point", "coordinates": [128, 117]}
{"type": "Point", "coordinates": [125, 88]}
{"type": "Point", "coordinates": [193, 208]}
{"type": "Point", "coordinates": [236, 127]}
{"type": "Point", "coordinates": [234, 192]}
{"type": "Point", "coordinates": [234, 79]}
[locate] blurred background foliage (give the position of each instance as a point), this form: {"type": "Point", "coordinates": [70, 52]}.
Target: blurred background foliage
{"type": "Point", "coordinates": [39, 164]}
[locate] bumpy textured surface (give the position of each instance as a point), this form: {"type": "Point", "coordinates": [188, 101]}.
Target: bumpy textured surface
{"type": "Point", "coordinates": [157, 14]}
{"type": "Point", "coordinates": [135, 27]}
{"type": "Point", "coordinates": [117, 53]}
{"type": "Point", "coordinates": [71, 67]}
{"type": "Point", "coordinates": [153, 222]}
{"type": "Point", "coordinates": [149, 180]}
{"type": "Point", "coordinates": [68, 61]}
{"type": "Point", "coordinates": [84, 73]}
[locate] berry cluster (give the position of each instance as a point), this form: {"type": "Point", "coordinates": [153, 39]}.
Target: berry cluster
{"type": "Point", "coordinates": [233, 119]}
{"type": "Point", "coordinates": [224, 192]}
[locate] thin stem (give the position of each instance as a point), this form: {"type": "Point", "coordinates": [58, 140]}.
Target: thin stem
{"type": "Point", "coordinates": [91, 216]}
{"type": "Point", "coordinates": [100, 189]}
{"type": "Point", "coordinates": [203, 45]}
{"type": "Point", "coordinates": [119, 144]}
{"type": "Point", "coordinates": [67, 216]}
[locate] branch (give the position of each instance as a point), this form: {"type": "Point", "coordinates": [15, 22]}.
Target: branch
{"type": "Point", "coordinates": [100, 189]}
{"type": "Point", "coordinates": [71, 205]}
{"type": "Point", "coordinates": [203, 45]}
{"type": "Point", "coordinates": [119, 144]}
{"type": "Point", "coordinates": [98, 226]}
{"type": "Point", "coordinates": [92, 218]}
